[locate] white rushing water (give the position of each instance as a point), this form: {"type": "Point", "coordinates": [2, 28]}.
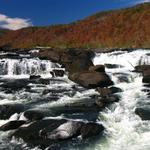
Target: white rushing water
{"type": "Point", "coordinates": [25, 66]}
{"type": "Point", "coordinates": [125, 130]}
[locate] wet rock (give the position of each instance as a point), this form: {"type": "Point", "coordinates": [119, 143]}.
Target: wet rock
{"type": "Point", "coordinates": [146, 76]}
{"type": "Point", "coordinates": [55, 130]}
{"type": "Point", "coordinates": [143, 112]}
{"type": "Point", "coordinates": [33, 131]}
{"type": "Point", "coordinates": [12, 125]}
{"type": "Point", "coordinates": [15, 85]}
{"type": "Point", "coordinates": [122, 77]}
{"type": "Point", "coordinates": [107, 100]}
{"type": "Point", "coordinates": [142, 68]}
{"type": "Point", "coordinates": [78, 65]}
{"type": "Point", "coordinates": [8, 110]}
{"type": "Point", "coordinates": [113, 66]}
{"type": "Point", "coordinates": [32, 77]}
{"type": "Point", "coordinates": [91, 79]}
{"type": "Point", "coordinates": [91, 129]}
{"type": "Point", "coordinates": [33, 115]}
{"type": "Point", "coordinates": [66, 130]}
{"type": "Point", "coordinates": [71, 129]}
{"type": "Point", "coordinates": [97, 68]}
{"type": "Point", "coordinates": [57, 73]}
{"type": "Point", "coordinates": [36, 114]}
{"type": "Point", "coordinates": [104, 92]}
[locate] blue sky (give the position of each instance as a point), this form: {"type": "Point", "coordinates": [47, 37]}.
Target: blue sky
{"type": "Point", "coordinates": [15, 14]}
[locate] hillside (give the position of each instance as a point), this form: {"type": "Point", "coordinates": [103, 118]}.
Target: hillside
{"type": "Point", "coordinates": [124, 28]}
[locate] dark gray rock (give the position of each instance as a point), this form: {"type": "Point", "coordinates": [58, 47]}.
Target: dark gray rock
{"type": "Point", "coordinates": [143, 112]}
{"type": "Point", "coordinates": [8, 110]}
{"type": "Point", "coordinates": [12, 125]}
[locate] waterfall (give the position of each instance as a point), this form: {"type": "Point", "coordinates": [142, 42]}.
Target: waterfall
{"type": "Point", "coordinates": [25, 66]}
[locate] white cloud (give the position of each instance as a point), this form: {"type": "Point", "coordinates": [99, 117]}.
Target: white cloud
{"type": "Point", "coordinates": [13, 23]}
{"type": "Point", "coordinates": [141, 1]}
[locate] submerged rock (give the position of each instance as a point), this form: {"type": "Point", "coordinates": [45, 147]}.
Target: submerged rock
{"type": "Point", "coordinates": [113, 66]}
{"type": "Point", "coordinates": [32, 77]}
{"type": "Point", "coordinates": [105, 92]}
{"type": "Point", "coordinates": [143, 112]}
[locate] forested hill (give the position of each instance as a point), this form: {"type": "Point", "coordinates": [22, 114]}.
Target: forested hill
{"type": "Point", "coordinates": [124, 28]}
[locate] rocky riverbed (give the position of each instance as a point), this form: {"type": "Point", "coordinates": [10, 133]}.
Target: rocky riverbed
{"type": "Point", "coordinates": [74, 100]}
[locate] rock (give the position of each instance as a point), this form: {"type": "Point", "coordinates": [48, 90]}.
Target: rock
{"type": "Point", "coordinates": [104, 92]}
{"type": "Point", "coordinates": [15, 85]}
{"type": "Point", "coordinates": [91, 79]}
{"type": "Point", "coordinates": [122, 77]}
{"type": "Point", "coordinates": [146, 73]}
{"type": "Point", "coordinates": [113, 66]}
{"type": "Point", "coordinates": [64, 131]}
{"type": "Point", "coordinates": [33, 115]}
{"type": "Point", "coordinates": [91, 129]}
{"type": "Point", "coordinates": [146, 79]}
{"type": "Point", "coordinates": [146, 76]}
{"type": "Point", "coordinates": [36, 114]}
{"type": "Point", "coordinates": [56, 129]}
{"type": "Point", "coordinates": [57, 73]}
{"type": "Point", "coordinates": [102, 102]}
{"type": "Point", "coordinates": [97, 68]}
{"type": "Point", "coordinates": [12, 125]}
{"type": "Point", "coordinates": [52, 73]}
{"type": "Point", "coordinates": [78, 65]}
{"type": "Point", "coordinates": [142, 68]}
{"type": "Point", "coordinates": [144, 113]}
{"type": "Point", "coordinates": [33, 131]}
{"type": "Point", "coordinates": [8, 110]}
{"type": "Point", "coordinates": [33, 77]}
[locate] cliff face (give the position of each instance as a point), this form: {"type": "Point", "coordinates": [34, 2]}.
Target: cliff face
{"type": "Point", "coordinates": [123, 28]}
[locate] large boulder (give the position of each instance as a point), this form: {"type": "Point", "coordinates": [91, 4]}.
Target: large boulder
{"type": "Point", "coordinates": [66, 130]}
{"type": "Point", "coordinates": [143, 112]}
{"type": "Point", "coordinates": [47, 132]}
{"type": "Point", "coordinates": [91, 79]}
{"type": "Point", "coordinates": [32, 131]}
{"type": "Point", "coordinates": [79, 64]}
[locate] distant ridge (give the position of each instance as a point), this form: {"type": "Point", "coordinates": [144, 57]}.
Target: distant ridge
{"type": "Point", "coordinates": [124, 28]}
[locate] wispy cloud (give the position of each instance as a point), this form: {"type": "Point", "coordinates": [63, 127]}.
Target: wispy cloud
{"type": "Point", "coordinates": [133, 1]}
{"type": "Point", "coordinates": [13, 23]}
{"type": "Point", "coordinates": [141, 1]}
